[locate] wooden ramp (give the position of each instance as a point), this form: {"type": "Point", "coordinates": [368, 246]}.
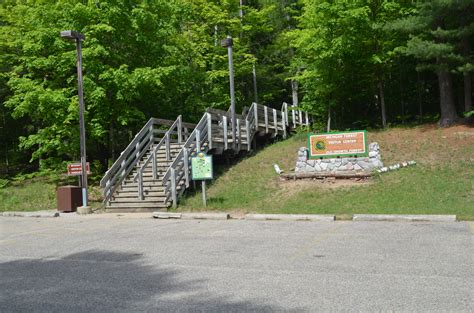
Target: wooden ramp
{"type": "Point", "coordinates": [152, 173]}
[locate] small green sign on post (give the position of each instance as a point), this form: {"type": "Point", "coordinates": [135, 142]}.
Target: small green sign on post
{"type": "Point", "coordinates": [201, 169]}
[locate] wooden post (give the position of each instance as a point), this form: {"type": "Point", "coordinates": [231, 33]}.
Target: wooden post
{"type": "Point", "coordinates": [283, 123]}
{"type": "Point", "coordinates": [275, 125]}
{"type": "Point", "coordinates": [186, 166]}
{"type": "Point", "coordinates": [167, 145]}
{"type": "Point", "coordinates": [239, 140]}
{"type": "Point", "coordinates": [266, 119]}
{"type": "Point", "coordinates": [154, 164]}
{"type": "Point", "coordinates": [255, 110]}
{"type": "Point", "coordinates": [122, 166]}
{"type": "Point", "coordinates": [152, 135]}
{"type": "Point", "coordinates": [307, 119]}
{"type": "Point", "coordinates": [173, 188]}
{"type": "Point", "coordinates": [180, 127]}
{"type": "Point", "coordinates": [224, 124]}
{"type": "Point", "coordinates": [137, 149]}
{"type": "Point", "coordinates": [140, 184]}
{"type": "Point", "coordinates": [198, 141]}
{"type": "Point", "coordinates": [247, 129]}
{"type": "Point", "coordinates": [209, 130]}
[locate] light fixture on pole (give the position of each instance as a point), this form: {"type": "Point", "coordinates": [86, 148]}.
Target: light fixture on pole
{"type": "Point", "coordinates": [78, 38]}
{"type": "Point", "coordinates": [228, 43]}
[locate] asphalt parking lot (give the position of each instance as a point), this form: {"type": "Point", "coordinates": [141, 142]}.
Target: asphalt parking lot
{"type": "Point", "coordinates": [145, 265]}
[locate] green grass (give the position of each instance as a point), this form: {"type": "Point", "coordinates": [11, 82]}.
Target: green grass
{"type": "Point", "coordinates": [37, 194]}
{"type": "Point", "coordinates": [28, 196]}
{"type": "Point", "coordinates": [441, 182]}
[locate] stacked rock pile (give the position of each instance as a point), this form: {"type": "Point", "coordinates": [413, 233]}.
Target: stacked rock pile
{"type": "Point", "coordinates": [342, 164]}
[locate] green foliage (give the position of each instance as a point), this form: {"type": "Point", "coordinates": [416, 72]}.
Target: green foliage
{"type": "Point", "coordinates": [145, 59]}
{"type": "Point", "coordinates": [4, 183]}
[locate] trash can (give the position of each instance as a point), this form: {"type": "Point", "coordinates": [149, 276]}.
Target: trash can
{"type": "Point", "coordinates": [69, 198]}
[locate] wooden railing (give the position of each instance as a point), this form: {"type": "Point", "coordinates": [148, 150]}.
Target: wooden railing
{"type": "Point", "coordinates": [215, 127]}
{"type": "Point", "coordinates": [131, 156]}
{"type": "Point", "coordinates": [179, 169]}
{"type": "Point", "coordinates": [213, 130]}
{"type": "Point", "coordinates": [176, 133]}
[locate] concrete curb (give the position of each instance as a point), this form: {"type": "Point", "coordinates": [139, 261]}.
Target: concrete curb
{"type": "Point", "coordinates": [205, 216]}
{"type": "Point", "coordinates": [191, 216]}
{"type": "Point", "coordinates": [166, 215]}
{"type": "Point", "coordinates": [400, 218]}
{"type": "Point", "coordinates": [30, 214]}
{"type": "Point", "coordinates": [290, 217]}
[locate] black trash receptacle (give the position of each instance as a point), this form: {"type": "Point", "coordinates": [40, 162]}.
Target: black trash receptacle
{"type": "Point", "coordinates": [69, 198]}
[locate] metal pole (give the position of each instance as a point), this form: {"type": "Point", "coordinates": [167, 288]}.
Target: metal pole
{"type": "Point", "coordinates": [232, 91]}
{"type": "Point", "coordinates": [204, 200]}
{"type": "Point", "coordinates": [81, 122]}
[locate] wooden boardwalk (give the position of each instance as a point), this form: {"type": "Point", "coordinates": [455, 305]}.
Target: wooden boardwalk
{"type": "Point", "coordinates": [152, 173]}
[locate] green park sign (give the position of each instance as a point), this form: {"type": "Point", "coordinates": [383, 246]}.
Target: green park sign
{"type": "Point", "coordinates": [201, 167]}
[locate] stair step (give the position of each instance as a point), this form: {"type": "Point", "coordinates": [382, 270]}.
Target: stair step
{"type": "Point", "coordinates": [129, 189]}
{"type": "Point", "coordinates": [136, 205]}
{"type": "Point", "coordinates": [134, 194]}
{"type": "Point", "coordinates": [135, 199]}
{"type": "Point", "coordinates": [146, 183]}
{"type": "Point", "coordinates": [137, 210]}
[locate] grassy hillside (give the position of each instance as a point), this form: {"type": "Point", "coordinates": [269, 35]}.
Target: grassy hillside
{"type": "Point", "coordinates": [441, 183]}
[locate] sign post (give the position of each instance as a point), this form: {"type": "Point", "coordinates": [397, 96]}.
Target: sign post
{"type": "Point", "coordinates": [201, 168]}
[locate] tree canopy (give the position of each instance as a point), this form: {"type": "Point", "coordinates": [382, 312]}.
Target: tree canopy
{"type": "Point", "coordinates": [352, 64]}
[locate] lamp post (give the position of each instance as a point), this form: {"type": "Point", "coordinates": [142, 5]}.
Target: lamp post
{"type": "Point", "coordinates": [227, 43]}
{"type": "Point", "coordinates": [78, 38]}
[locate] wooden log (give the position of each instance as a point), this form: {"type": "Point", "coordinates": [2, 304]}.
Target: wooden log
{"type": "Point", "coordinates": [325, 175]}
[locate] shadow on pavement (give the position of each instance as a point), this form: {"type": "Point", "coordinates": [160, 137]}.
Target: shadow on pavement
{"type": "Point", "coordinates": [106, 281]}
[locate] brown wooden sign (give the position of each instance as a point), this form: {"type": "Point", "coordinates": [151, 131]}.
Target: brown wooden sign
{"type": "Point", "coordinates": [331, 145]}
{"type": "Point", "coordinates": [75, 169]}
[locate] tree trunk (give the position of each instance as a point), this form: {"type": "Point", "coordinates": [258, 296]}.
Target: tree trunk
{"type": "Point", "coordinates": [419, 90]}
{"type": "Point", "coordinates": [382, 103]}
{"type": "Point", "coordinates": [294, 92]}
{"type": "Point", "coordinates": [467, 92]}
{"type": "Point", "coordinates": [112, 140]}
{"type": "Point", "coordinates": [254, 76]}
{"type": "Point", "coordinates": [466, 49]}
{"type": "Point", "coordinates": [328, 128]}
{"type": "Point", "coordinates": [448, 109]}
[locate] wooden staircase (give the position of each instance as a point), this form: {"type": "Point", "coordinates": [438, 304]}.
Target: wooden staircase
{"type": "Point", "coordinates": [126, 197]}
{"type": "Point", "coordinates": [154, 170]}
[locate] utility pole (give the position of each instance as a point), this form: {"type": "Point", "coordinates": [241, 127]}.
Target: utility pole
{"type": "Point", "coordinates": [228, 43]}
